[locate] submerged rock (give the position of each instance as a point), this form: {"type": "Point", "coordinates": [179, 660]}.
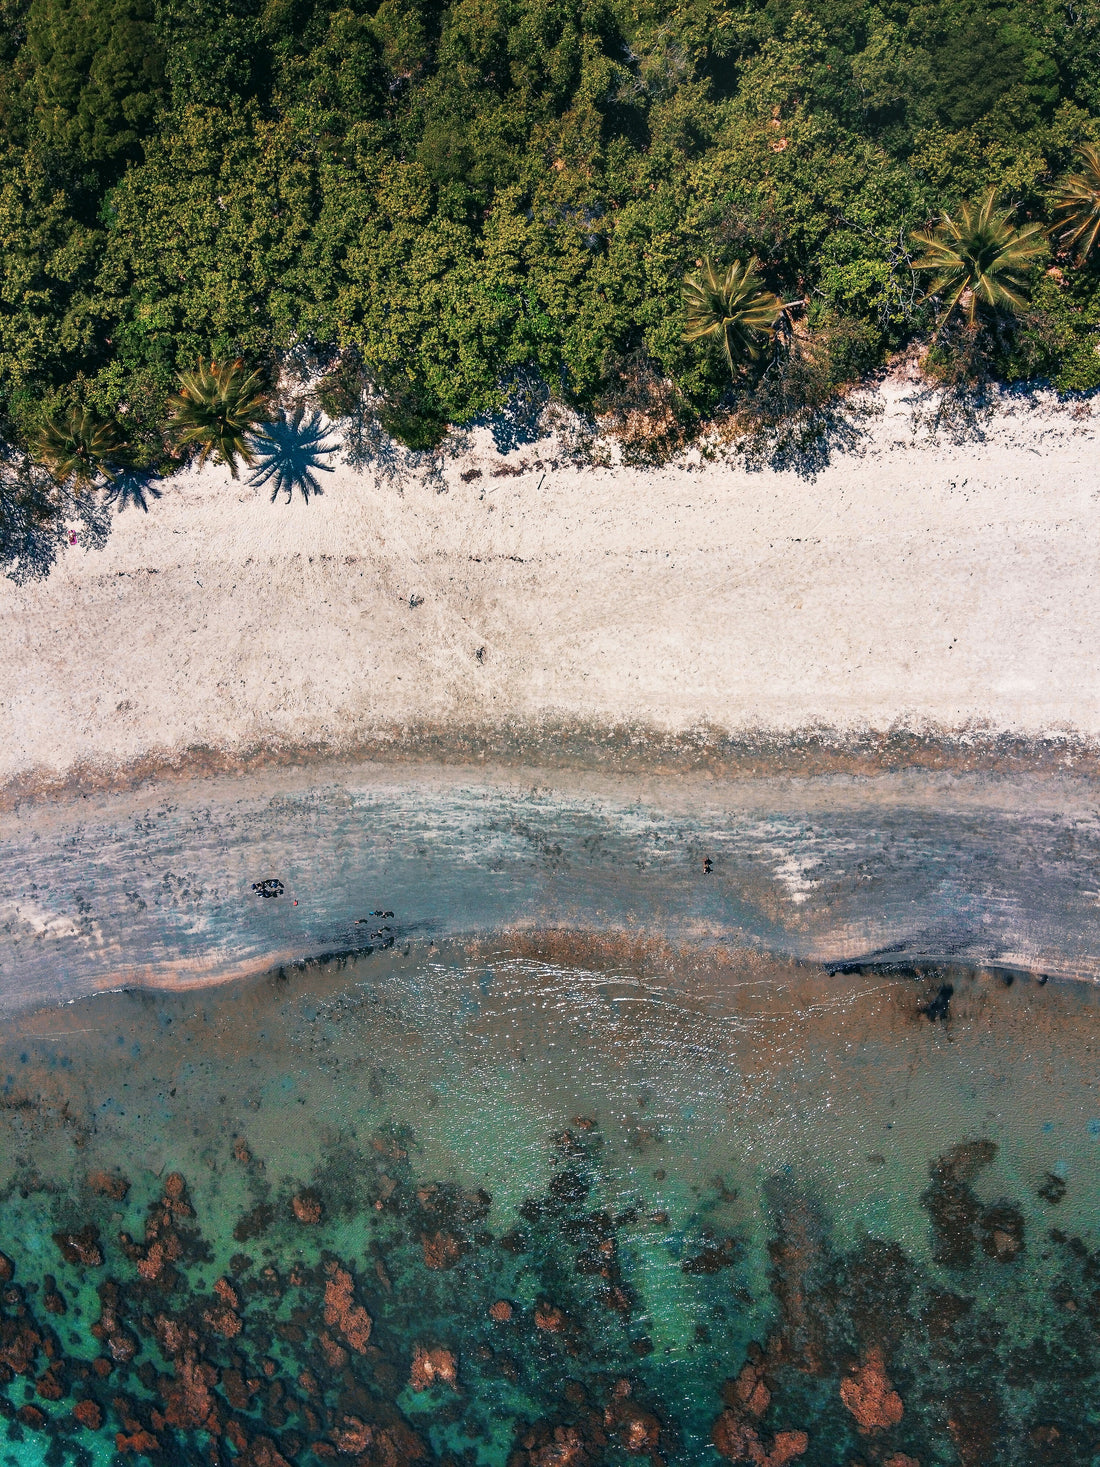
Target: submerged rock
{"type": "Point", "coordinates": [750, 1389]}
{"type": "Point", "coordinates": [741, 1442]}
{"type": "Point", "coordinates": [108, 1184]}
{"type": "Point", "coordinates": [81, 1246]}
{"type": "Point", "coordinates": [254, 1223]}
{"type": "Point", "coordinates": [352, 1436]}
{"type": "Point", "coordinates": [19, 1345]}
{"type": "Point", "coordinates": [88, 1414]}
{"type": "Point", "coordinates": [1052, 1188]}
{"type": "Point", "coordinates": [306, 1207]}
{"type": "Point", "coordinates": [164, 1246]}
{"type": "Point", "coordinates": [52, 1299]}
{"type": "Point", "coordinates": [550, 1318]}
{"type": "Point", "coordinates": [975, 1424]}
{"type": "Point", "coordinates": [51, 1386]}
{"type": "Point", "coordinates": [870, 1396]}
{"type": "Point", "coordinates": [263, 1453]}
{"type": "Point", "coordinates": [224, 1319]}
{"type": "Point", "coordinates": [441, 1250]}
{"type": "Point", "coordinates": [341, 1311]}
{"type": "Point", "coordinates": [638, 1430]}
{"type": "Point", "coordinates": [140, 1442]}
{"type": "Point", "coordinates": [954, 1209]}
{"type": "Point", "coordinates": [548, 1445]}
{"type": "Point", "coordinates": [737, 1433]}
{"type": "Point", "coordinates": [717, 1255]}
{"type": "Point", "coordinates": [1002, 1230]}
{"type": "Point", "coordinates": [430, 1366]}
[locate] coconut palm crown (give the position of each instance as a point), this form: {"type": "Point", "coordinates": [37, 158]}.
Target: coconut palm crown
{"type": "Point", "coordinates": [81, 446]}
{"type": "Point", "coordinates": [979, 259]}
{"type": "Point", "coordinates": [732, 306]}
{"type": "Point", "coordinates": [1078, 206]}
{"type": "Point", "coordinates": [218, 404]}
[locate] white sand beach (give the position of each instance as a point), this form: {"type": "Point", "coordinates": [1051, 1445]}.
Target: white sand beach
{"type": "Point", "coordinates": [909, 584]}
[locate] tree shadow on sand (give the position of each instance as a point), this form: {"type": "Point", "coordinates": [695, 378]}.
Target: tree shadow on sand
{"type": "Point", "coordinates": [288, 453]}
{"type": "Point", "coordinates": [517, 423]}
{"type": "Point", "coordinates": [40, 519]}
{"type": "Point", "coordinates": [130, 486]}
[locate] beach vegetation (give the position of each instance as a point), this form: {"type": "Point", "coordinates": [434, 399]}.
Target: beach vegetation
{"type": "Point", "coordinates": [1077, 208]}
{"type": "Point", "coordinates": [95, 82]}
{"type": "Point", "coordinates": [733, 307]}
{"type": "Point", "coordinates": [978, 258]}
{"type": "Point", "coordinates": [81, 446]}
{"type": "Point", "coordinates": [216, 408]}
{"type": "Point", "coordinates": [427, 201]}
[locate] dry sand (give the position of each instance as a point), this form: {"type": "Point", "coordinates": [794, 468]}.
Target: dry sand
{"type": "Point", "coordinates": [908, 584]}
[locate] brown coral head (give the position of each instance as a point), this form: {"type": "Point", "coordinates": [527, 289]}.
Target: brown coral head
{"type": "Point", "coordinates": [432, 1366]}
{"type": "Point", "coordinates": [870, 1396]}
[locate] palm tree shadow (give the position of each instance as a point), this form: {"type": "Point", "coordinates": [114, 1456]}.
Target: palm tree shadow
{"type": "Point", "coordinates": [288, 452]}
{"type": "Point", "coordinates": [130, 487]}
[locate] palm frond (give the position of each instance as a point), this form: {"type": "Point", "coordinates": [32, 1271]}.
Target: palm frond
{"type": "Point", "coordinates": [732, 306]}
{"type": "Point", "coordinates": [81, 446]}
{"type": "Point", "coordinates": [1078, 207]}
{"type": "Point", "coordinates": [979, 258]}
{"type": "Point", "coordinates": [217, 406]}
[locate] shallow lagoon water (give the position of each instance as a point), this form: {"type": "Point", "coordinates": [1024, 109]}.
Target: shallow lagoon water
{"type": "Point", "coordinates": [552, 1202]}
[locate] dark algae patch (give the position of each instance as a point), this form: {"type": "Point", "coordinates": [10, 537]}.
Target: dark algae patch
{"type": "Point", "coordinates": [481, 1210]}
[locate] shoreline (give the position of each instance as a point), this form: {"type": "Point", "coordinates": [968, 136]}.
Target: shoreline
{"type": "Point", "coordinates": [649, 961]}
{"type": "Point", "coordinates": [529, 695]}
{"type": "Point", "coordinates": [156, 885]}
{"type": "Point", "coordinates": [645, 752]}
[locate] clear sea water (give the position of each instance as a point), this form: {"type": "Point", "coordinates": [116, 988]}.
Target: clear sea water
{"type": "Point", "coordinates": [552, 1205]}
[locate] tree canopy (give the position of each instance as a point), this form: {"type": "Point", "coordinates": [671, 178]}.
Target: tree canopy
{"type": "Point", "coordinates": [455, 191]}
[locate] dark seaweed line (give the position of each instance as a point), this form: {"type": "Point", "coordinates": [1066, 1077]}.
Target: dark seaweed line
{"type": "Point", "coordinates": [620, 748]}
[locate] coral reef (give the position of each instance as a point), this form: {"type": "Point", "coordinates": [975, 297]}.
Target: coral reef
{"type": "Point", "coordinates": [538, 1335]}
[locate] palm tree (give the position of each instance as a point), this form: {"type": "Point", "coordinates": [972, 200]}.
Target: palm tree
{"type": "Point", "coordinates": [81, 446]}
{"type": "Point", "coordinates": [1079, 205]}
{"type": "Point", "coordinates": [980, 258]}
{"type": "Point", "coordinates": [217, 406]}
{"type": "Point", "coordinates": [731, 305]}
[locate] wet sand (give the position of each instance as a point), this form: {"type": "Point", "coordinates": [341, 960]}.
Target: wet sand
{"type": "Point", "coordinates": [155, 886]}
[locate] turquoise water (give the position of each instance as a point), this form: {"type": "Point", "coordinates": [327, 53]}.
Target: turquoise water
{"type": "Point", "coordinates": [549, 1207]}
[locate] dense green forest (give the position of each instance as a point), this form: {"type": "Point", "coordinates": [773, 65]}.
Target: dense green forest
{"type": "Point", "coordinates": [425, 198]}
